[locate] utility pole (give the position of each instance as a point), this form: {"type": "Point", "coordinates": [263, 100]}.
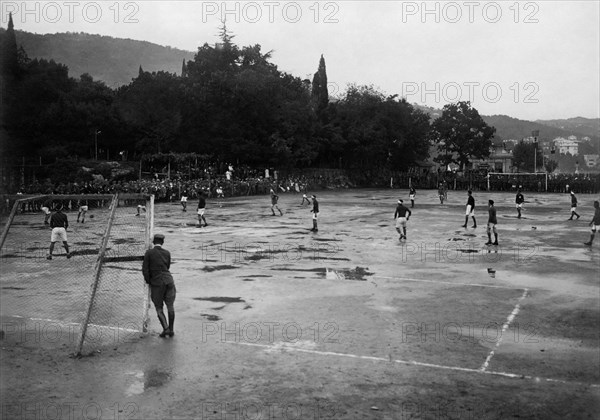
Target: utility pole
{"type": "Point", "coordinates": [96, 132]}
{"type": "Point", "coordinates": [535, 135]}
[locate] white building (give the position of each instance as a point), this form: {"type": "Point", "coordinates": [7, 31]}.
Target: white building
{"type": "Point", "coordinates": [565, 146]}
{"type": "Point", "coordinates": [591, 161]}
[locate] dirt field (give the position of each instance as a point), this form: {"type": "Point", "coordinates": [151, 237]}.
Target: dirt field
{"type": "Point", "coordinates": [277, 322]}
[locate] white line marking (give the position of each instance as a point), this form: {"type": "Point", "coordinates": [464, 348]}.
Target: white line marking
{"type": "Point", "coordinates": [411, 363]}
{"type": "Point", "coordinates": [73, 323]}
{"type": "Point", "coordinates": [449, 282]}
{"type": "Point", "coordinates": [509, 320]}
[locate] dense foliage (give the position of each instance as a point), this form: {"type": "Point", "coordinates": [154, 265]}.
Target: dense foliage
{"type": "Point", "coordinates": [229, 104]}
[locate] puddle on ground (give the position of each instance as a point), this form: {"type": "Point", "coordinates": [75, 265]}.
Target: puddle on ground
{"type": "Point", "coordinates": [121, 241]}
{"type": "Point", "coordinates": [358, 273]}
{"type": "Point", "coordinates": [221, 299]}
{"type": "Point", "coordinates": [13, 288]}
{"type": "Point", "coordinates": [210, 269]}
{"type": "Point", "coordinates": [155, 378]}
{"type": "Point", "coordinates": [211, 317]}
{"type": "Point", "coordinates": [152, 378]}
{"type": "Point", "coordinates": [87, 251]}
{"type": "Point", "coordinates": [128, 258]}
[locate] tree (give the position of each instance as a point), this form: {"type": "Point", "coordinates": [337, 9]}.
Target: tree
{"type": "Point", "coordinates": [524, 155]}
{"type": "Point", "coordinates": [9, 57]}
{"type": "Point", "coordinates": [367, 129]}
{"type": "Point", "coordinates": [461, 135]}
{"type": "Point", "coordinates": [550, 165]}
{"type": "Point", "coordinates": [320, 95]}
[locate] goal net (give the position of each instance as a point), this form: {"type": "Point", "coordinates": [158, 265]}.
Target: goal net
{"type": "Point", "coordinates": [531, 182]}
{"type": "Point", "coordinates": [94, 296]}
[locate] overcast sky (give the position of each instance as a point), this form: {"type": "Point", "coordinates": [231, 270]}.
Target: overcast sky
{"type": "Point", "coordinates": [528, 60]}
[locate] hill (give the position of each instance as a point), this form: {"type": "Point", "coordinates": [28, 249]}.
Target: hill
{"type": "Point", "coordinates": [514, 128]}
{"type": "Point", "coordinates": [115, 61]}
{"type": "Point", "coordinates": [587, 126]}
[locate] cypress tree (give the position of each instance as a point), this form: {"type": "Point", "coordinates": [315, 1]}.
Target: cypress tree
{"type": "Point", "coordinates": [10, 53]}
{"type": "Point", "coordinates": [320, 94]}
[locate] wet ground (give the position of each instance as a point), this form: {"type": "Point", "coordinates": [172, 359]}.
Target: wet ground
{"type": "Point", "coordinates": [275, 321]}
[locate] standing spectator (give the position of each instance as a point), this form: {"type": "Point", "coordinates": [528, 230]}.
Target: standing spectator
{"type": "Point", "coordinates": [155, 269]}
{"type": "Point", "coordinates": [411, 194]}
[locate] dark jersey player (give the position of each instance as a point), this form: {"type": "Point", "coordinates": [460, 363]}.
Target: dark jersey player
{"type": "Point", "coordinates": [401, 215]}
{"type": "Point", "coordinates": [491, 226]}
{"type": "Point", "coordinates": [315, 212]}
{"type": "Point", "coordinates": [201, 209]}
{"type": "Point", "coordinates": [519, 200]}
{"type": "Point", "coordinates": [470, 210]}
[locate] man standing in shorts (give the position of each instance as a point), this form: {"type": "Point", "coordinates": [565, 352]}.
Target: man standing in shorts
{"type": "Point", "coordinates": [315, 212]}
{"type": "Point", "coordinates": [491, 226]}
{"type": "Point", "coordinates": [441, 193]}
{"type": "Point", "coordinates": [274, 199]}
{"type": "Point", "coordinates": [411, 194]}
{"type": "Point", "coordinates": [201, 208]}
{"type": "Point", "coordinates": [470, 210]}
{"type": "Point", "coordinates": [573, 206]}
{"type": "Point", "coordinates": [184, 198]}
{"type": "Point", "coordinates": [59, 225]}
{"type": "Point", "coordinates": [83, 208]}
{"type": "Point", "coordinates": [519, 200]}
{"type": "Point", "coordinates": [155, 269]}
{"type": "Point", "coordinates": [46, 210]}
{"type": "Point", "coordinates": [595, 223]}
{"type": "Point", "coordinates": [304, 197]}
{"type": "Point", "coordinates": [401, 218]}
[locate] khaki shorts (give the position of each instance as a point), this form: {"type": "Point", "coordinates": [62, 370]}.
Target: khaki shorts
{"type": "Point", "coordinates": [401, 222]}
{"type": "Point", "coordinates": [200, 212]}
{"type": "Point", "coordinates": [58, 234]}
{"type": "Point", "coordinates": [470, 212]}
